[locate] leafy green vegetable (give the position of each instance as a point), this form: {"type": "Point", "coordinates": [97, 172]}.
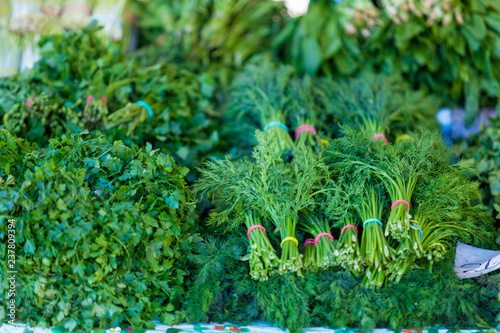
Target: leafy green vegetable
{"type": "Point", "coordinates": [480, 152]}
{"type": "Point", "coordinates": [101, 232]}
{"type": "Point", "coordinates": [449, 51]}
{"type": "Point", "coordinates": [221, 33]}
{"type": "Point", "coordinates": [274, 189]}
{"type": "Point", "coordinates": [84, 82]}
{"type": "Point", "coordinates": [336, 299]}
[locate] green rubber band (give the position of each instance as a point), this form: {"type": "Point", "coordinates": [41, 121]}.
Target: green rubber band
{"type": "Point", "coordinates": [147, 107]}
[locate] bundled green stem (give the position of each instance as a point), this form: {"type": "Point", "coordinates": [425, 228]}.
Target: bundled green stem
{"type": "Point", "coordinates": [374, 248]}
{"type": "Point", "coordinates": [348, 251]}
{"type": "Point", "coordinates": [398, 223]}
{"type": "Point", "coordinates": [325, 246]}
{"type": "Point", "coordinates": [291, 259]}
{"type": "Point", "coordinates": [309, 260]}
{"type": "Point", "coordinates": [131, 115]}
{"type": "Point", "coordinates": [263, 258]}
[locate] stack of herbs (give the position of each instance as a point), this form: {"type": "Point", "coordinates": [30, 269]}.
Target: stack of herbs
{"type": "Point", "coordinates": [449, 48]}
{"type": "Point", "coordinates": [221, 33]}
{"type": "Point", "coordinates": [101, 231]}
{"type": "Point", "coordinates": [84, 82]}
{"type": "Point", "coordinates": [406, 201]}
{"type": "Point", "coordinates": [273, 97]}
{"type": "Point", "coordinates": [482, 152]}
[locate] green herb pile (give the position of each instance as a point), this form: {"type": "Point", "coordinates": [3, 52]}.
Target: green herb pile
{"type": "Point", "coordinates": [266, 93]}
{"type": "Point", "coordinates": [397, 204]}
{"type": "Point", "coordinates": [224, 291]}
{"type": "Point", "coordinates": [101, 232]}
{"type": "Point", "coordinates": [482, 152]}
{"type": "Point", "coordinates": [450, 48]}
{"type": "Point", "coordinates": [210, 32]}
{"type": "Point", "coordinates": [83, 82]}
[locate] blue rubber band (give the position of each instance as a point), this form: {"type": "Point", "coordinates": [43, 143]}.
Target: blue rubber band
{"type": "Point", "coordinates": [418, 228]}
{"type": "Point", "coordinates": [68, 104]}
{"type": "Point", "coordinates": [275, 123]}
{"type": "Point", "coordinates": [107, 18]}
{"type": "Point", "coordinates": [25, 7]}
{"type": "Point", "coordinates": [372, 220]}
{"type": "Point", "coordinates": [147, 107]}
{"type": "Point", "coordinates": [248, 248]}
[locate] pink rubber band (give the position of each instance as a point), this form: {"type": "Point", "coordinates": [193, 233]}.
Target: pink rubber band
{"type": "Point", "coordinates": [77, 7]}
{"type": "Point", "coordinates": [349, 226]}
{"type": "Point", "coordinates": [321, 235]}
{"type": "Point", "coordinates": [400, 201]}
{"type": "Point", "coordinates": [380, 136]}
{"type": "Point", "coordinates": [50, 11]}
{"type": "Point", "coordinates": [91, 97]}
{"type": "Point", "coordinates": [256, 227]}
{"type": "Point", "coordinates": [28, 102]}
{"type": "Point", "coordinates": [304, 128]}
{"type": "Point", "coordinates": [308, 241]}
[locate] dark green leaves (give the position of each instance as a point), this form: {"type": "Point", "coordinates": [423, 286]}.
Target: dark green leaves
{"type": "Point", "coordinates": [95, 232]}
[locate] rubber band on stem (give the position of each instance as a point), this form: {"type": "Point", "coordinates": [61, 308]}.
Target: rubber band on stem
{"type": "Point", "coordinates": [248, 248]}
{"type": "Point", "coordinates": [25, 7]}
{"type": "Point", "coordinates": [107, 19]}
{"type": "Point", "coordinates": [257, 226]}
{"type": "Point", "coordinates": [316, 240]}
{"type": "Point", "coordinates": [397, 202]}
{"type": "Point", "coordinates": [380, 136]}
{"type": "Point", "coordinates": [324, 142]}
{"type": "Point", "coordinates": [308, 241]}
{"type": "Point", "coordinates": [91, 97]}
{"type": "Point", "coordinates": [293, 239]}
{"type": "Point", "coordinates": [403, 137]}
{"type": "Point", "coordinates": [275, 123]}
{"type": "Point", "coordinates": [349, 226]}
{"type": "Point", "coordinates": [28, 102]}
{"type": "Point", "coordinates": [414, 226]}
{"type": "Point", "coordinates": [147, 107]}
{"type": "Point", "coordinates": [304, 128]}
{"type": "Point", "coordinates": [50, 11]}
{"type": "Point", "coordinates": [372, 220]}
{"type": "Point", "coordinates": [76, 7]}
{"type": "Point", "coordinates": [68, 104]}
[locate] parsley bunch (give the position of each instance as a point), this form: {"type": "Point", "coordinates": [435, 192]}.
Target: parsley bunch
{"type": "Point", "coordinates": [101, 232]}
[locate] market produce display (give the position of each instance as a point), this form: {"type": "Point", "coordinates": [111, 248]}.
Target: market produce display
{"type": "Point", "coordinates": [336, 298]}
{"type": "Point", "coordinates": [83, 82]}
{"type": "Point", "coordinates": [481, 152]}
{"type": "Point", "coordinates": [301, 108]}
{"type": "Point", "coordinates": [450, 48]}
{"type": "Point", "coordinates": [188, 161]}
{"type": "Point", "coordinates": [358, 183]}
{"type": "Point", "coordinates": [101, 229]}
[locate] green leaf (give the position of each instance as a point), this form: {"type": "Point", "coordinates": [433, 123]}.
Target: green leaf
{"type": "Point", "coordinates": [70, 324]}
{"type": "Point", "coordinates": [167, 318]}
{"type": "Point", "coordinates": [493, 21]}
{"type": "Point", "coordinates": [29, 247]}
{"type": "Point", "coordinates": [478, 28]}
{"type": "Point", "coordinates": [312, 55]}
{"type": "Point", "coordinates": [172, 202]}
